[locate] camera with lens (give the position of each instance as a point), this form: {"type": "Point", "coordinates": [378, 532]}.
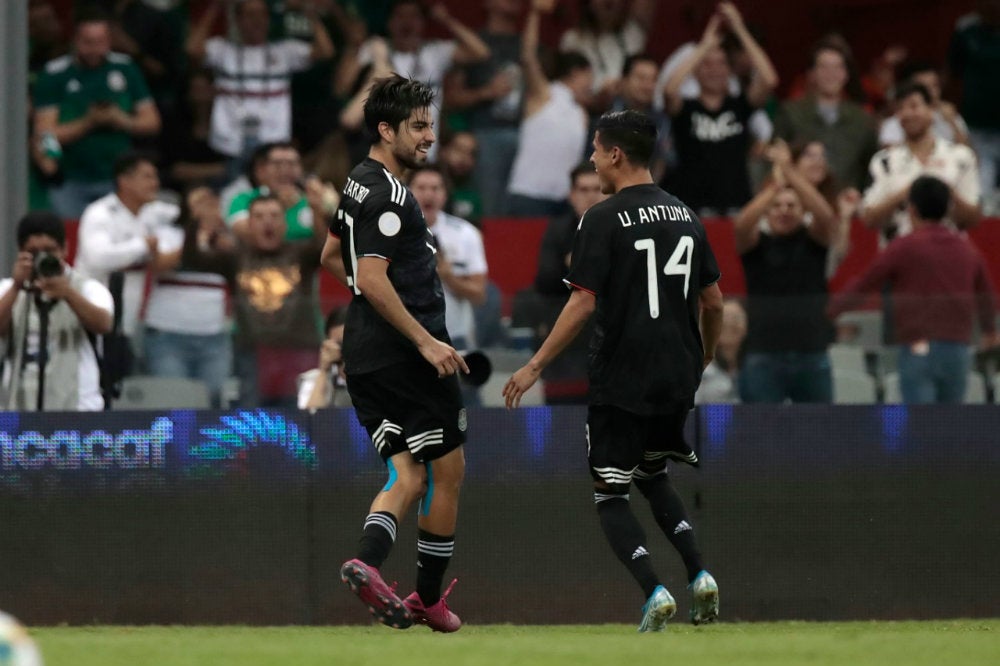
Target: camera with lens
{"type": "Point", "coordinates": [46, 265]}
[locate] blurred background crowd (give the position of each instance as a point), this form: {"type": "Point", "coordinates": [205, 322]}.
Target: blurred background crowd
{"type": "Point", "coordinates": [194, 150]}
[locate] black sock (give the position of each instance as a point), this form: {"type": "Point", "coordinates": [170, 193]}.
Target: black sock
{"type": "Point", "coordinates": [671, 516]}
{"type": "Point", "coordinates": [627, 539]}
{"type": "Point", "coordinates": [433, 554]}
{"type": "Point", "coordinates": [377, 538]}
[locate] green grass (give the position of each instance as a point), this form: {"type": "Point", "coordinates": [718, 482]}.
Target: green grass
{"type": "Point", "coordinates": [947, 643]}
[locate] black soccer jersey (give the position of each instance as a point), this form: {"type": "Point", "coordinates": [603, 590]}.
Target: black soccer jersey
{"type": "Point", "coordinates": [645, 257]}
{"type": "Point", "coordinates": [379, 217]}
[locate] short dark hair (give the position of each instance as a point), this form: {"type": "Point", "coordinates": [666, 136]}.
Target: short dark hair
{"type": "Point", "coordinates": [263, 197]}
{"type": "Point", "coordinates": [257, 157]}
{"type": "Point", "coordinates": [632, 131]}
{"type": "Point", "coordinates": [279, 145]}
{"type": "Point", "coordinates": [41, 222]}
{"type": "Point", "coordinates": [90, 14]}
{"type": "Point", "coordinates": [568, 62]}
{"type": "Point", "coordinates": [911, 68]}
{"type": "Point", "coordinates": [581, 169]}
{"type": "Point", "coordinates": [127, 162]}
{"type": "Point", "coordinates": [913, 88]}
{"type": "Point", "coordinates": [930, 197]}
{"type": "Point", "coordinates": [633, 60]}
{"type": "Point", "coordinates": [392, 99]}
{"type": "Point", "coordinates": [337, 317]}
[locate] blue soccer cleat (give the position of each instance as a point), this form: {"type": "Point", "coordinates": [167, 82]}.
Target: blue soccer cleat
{"type": "Point", "coordinates": [704, 599]}
{"type": "Point", "coordinates": [659, 608]}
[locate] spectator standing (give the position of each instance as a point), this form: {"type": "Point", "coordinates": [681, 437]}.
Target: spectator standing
{"type": "Point", "coordinates": [810, 160]}
{"type": "Point", "coordinates": [785, 260]}
{"type": "Point", "coordinates": [893, 169]}
{"type": "Point", "coordinates": [189, 159]}
{"type": "Point", "coordinates": [939, 285]}
{"type": "Point", "coordinates": [187, 331]}
{"type": "Point", "coordinates": [46, 40]}
{"type": "Point", "coordinates": [89, 105]}
{"type": "Point", "coordinates": [75, 309]}
{"type": "Point", "coordinates": [609, 32]}
{"type": "Point", "coordinates": [826, 115]}
{"type": "Point", "coordinates": [458, 160]}
{"type": "Point", "coordinates": [413, 56]}
{"type": "Point", "coordinates": [712, 132]}
{"type": "Point", "coordinates": [974, 58]}
{"type": "Point", "coordinates": [277, 314]}
{"type": "Point", "coordinates": [152, 38]}
{"type": "Point", "coordinates": [636, 92]}
{"type": "Point", "coordinates": [491, 93]}
{"type": "Point", "coordinates": [126, 231]}
{"type": "Point", "coordinates": [282, 178]}
{"type": "Point", "coordinates": [948, 123]}
{"type": "Point", "coordinates": [554, 129]}
{"type": "Point", "coordinates": [253, 101]}
{"type": "Point", "coordinates": [461, 257]}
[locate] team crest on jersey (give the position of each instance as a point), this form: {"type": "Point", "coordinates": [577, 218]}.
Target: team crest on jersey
{"type": "Point", "coordinates": [305, 217]}
{"type": "Point", "coordinates": [463, 421]}
{"type": "Point", "coordinates": [73, 86]}
{"type": "Point", "coordinates": [116, 81]}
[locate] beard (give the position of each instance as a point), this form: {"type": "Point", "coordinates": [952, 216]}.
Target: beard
{"type": "Point", "coordinates": [411, 159]}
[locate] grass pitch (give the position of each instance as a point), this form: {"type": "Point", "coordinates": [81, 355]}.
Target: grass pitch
{"type": "Point", "coordinates": [959, 642]}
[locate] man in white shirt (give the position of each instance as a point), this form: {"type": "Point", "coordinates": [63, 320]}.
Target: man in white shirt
{"type": "Point", "coordinates": [948, 124]}
{"type": "Point", "coordinates": [126, 230]}
{"type": "Point", "coordinates": [461, 256]}
{"type": "Point", "coordinates": [253, 102]}
{"type": "Point", "coordinates": [44, 295]}
{"type": "Point", "coordinates": [893, 169]}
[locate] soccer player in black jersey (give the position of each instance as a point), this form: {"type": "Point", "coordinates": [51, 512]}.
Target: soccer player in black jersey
{"type": "Point", "coordinates": [642, 266]}
{"type": "Point", "coordinates": [400, 365]}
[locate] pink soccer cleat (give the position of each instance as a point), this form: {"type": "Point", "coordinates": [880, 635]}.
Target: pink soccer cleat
{"type": "Point", "coordinates": [438, 617]}
{"type": "Point", "coordinates": [381, 600]}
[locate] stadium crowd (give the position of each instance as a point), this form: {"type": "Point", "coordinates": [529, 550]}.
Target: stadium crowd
{"type": "Point", "coordinates": [202, 153]}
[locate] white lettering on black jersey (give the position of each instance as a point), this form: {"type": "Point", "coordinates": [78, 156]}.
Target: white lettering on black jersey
{"type": "Point", "coordinates": [380, 218]}
{"type": "Point", "coordinates": [645, 257]}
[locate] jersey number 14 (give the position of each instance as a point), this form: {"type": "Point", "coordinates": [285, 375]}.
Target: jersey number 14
{"type": "Point", "coordinates": [679, 263]}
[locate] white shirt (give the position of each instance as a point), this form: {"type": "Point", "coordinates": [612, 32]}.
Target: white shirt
{"type": "Point", "coordinates": [252, 81]}
{"type": "Point", "coordinates": [607, 51]}
{"type": "Point", "coordinates": [112, 239]}
{"type": "Point", "coordinates": [428, 64]}
{"type": "Point", "coordinates": [88, 373]}
{"type": "Point", "coordinates": [462, 245]}
{"type": "Point", "coordinates": [550, 144]}
{"type": "Point", "coordinates": [188, 302]}
{"type": "Point", "coordinates": [895, 167]}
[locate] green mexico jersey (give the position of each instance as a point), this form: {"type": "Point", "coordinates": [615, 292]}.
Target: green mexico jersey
{"type": "Point", "coordinates": [73, 89]}
{"type": "Point", "coordinates": [299, 217]}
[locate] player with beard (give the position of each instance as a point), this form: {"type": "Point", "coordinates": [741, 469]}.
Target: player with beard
{"type": "Point", "coordinates": [642, 265]}
{"type": "Point", "coordinates": [400, 364]}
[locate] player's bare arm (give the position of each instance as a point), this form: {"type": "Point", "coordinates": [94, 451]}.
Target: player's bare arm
{"type": "Point", "coordinates": [373, 283]}
{"type": "Point", "coordinates": [710, 300]}
{"type": "Point", "coordinates": [332, 260]}
{"type": "Point", "coordinates": [571, 320]}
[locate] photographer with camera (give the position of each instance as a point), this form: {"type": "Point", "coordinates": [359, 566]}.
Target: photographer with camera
{"type": "Point", "coordinates": [48, 315]}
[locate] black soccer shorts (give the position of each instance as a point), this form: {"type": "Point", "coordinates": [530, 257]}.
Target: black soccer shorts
{"type": "Point", "coordinates": [407, 407]}
{"type": "Point", "coordinates": [622, 445]}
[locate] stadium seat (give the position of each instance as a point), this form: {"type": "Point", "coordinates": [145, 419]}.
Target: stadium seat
{"type": "Point", "coordinates": [853, 387]}
{"type": "Point", "coordinates": [146, 392]}
{"type": "Point", "coordinates": [867, 325]}
{"type": "Point", "coordinates": [850, 358]}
